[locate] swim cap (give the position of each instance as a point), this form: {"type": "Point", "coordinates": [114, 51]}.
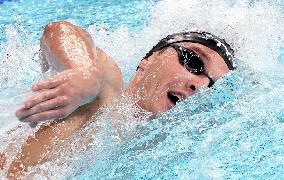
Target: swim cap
{"type": "Point", "coordinates": [207, 39]}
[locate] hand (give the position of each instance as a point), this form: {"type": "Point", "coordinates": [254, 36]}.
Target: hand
{"type": "Point", "coordinates": [60, 95]}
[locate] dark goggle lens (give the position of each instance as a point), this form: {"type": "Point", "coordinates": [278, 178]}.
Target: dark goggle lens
{"type": "Point", "coordinates": [191, 61]}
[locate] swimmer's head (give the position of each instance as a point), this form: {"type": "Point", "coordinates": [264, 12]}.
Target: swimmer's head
{"type": "Point", "coordinates": [177, 67]}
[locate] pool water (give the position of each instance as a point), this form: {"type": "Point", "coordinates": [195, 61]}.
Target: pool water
{"type": "Point", "coordinates": [33, 15]}
{"type": "Point", "coordinates": [235, 132]}
{"type": "Point", "coordinates": [232, 131]}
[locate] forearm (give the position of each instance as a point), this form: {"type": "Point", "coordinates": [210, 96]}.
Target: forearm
{"type": "Point", "coordinates": [90, 79]}
{"type": "Point", "coordinates": [66, 46]}
{"type": "Point", "coordinates": [37, 149]}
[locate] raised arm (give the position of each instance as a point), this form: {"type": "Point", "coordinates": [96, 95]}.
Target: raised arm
{"type": "Point", "coordinates": [88, 79]}
{"type": "Point", "coordinates": [87, 73]}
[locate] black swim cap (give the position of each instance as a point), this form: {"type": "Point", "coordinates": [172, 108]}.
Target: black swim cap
{"type": "Point", "coordinates": [207, 39]}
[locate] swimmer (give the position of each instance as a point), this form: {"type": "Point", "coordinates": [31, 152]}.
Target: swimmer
{"type": "Point", "coordinates": [88, 79]}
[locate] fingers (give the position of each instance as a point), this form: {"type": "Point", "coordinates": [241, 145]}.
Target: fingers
{"type": "Point", "coordinates": [40, 97]}
{"type": "Point", "coordinates": [48, 83]}
{"type": "Point", "coordinates": [23, 113]}
{"type": "Point", "coordinates": [47, 115]}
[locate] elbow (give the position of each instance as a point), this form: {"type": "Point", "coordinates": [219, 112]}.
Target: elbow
{"type": "Point", "coordinates": [54, 29]}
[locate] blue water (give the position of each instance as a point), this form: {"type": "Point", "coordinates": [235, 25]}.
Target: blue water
{"type": "Point", "coordinates": [233, 131]}
{"type": "Point", "coordinates": [33, 15]}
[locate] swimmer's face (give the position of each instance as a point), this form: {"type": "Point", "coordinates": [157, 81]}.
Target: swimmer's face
{"type": "Point", "coordinates": [161, 81]}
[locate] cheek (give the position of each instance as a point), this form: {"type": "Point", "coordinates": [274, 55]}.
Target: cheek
{"type": "Point", "coordinates": [156, 76]}
{"type": "Point", "coordinates": [217, 68]}
{"type": "Point", "coordinates": [158, 105]}
{"type": "Point", "coordinates": [171, 72]}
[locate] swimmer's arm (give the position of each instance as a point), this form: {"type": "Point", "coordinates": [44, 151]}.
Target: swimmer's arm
{"type": "Point", "coordinates": [66, 84]}
{"type": "Point", "coordinates": [37, 148]}
{"type": "Point", "coordinates": [90, 74]}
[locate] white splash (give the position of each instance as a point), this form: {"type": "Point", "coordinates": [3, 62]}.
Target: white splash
{"type": "Point", "coordinates": [255, 31]}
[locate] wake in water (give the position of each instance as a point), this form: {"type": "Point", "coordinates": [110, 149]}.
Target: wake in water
{"type": "Point", "coordinates": [233, 131]}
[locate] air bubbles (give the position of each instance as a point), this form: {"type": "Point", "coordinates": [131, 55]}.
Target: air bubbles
{"type": "Point", "coordinates": [20, 61]}
{"type": "Point", "coordinates": [226, 131]}
{"type": "Point", "coordinates": [243, 25]}
{"type": "Point", "coordinates": [280, 116]}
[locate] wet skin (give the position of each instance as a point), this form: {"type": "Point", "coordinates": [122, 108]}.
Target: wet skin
{"type": "Point", "coordinates": [161, 79]}
{"type": "Point", "coordinates": [85, 83]}
{"type": "Point", "coordinates": [159, 83]}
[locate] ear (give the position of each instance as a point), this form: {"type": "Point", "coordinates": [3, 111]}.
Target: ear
{"type": "Point", "coordinates": [143, 64]}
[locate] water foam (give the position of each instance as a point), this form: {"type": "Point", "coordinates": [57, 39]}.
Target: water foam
{"type": "Point", "coordinates": [254, 30]}
{"type": "Point", "coordinates": [185, 140]}
{"type": "Point", "coordinates": [216, 135]}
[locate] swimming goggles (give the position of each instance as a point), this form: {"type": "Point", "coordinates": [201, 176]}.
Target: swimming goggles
{"type": "Point", "coordinates": [191, 61]}
{"type": "Point", "coordinates": [195, 65]}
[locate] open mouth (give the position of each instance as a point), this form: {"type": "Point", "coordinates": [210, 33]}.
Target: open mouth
{"type": "Point", "coordinates": [174, 97]}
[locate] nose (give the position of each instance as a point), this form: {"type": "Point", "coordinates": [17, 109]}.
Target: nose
{"type": "Point", "coordinates": [194, 83]}
{"type": "Point", "coordinates": [191, 87]}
